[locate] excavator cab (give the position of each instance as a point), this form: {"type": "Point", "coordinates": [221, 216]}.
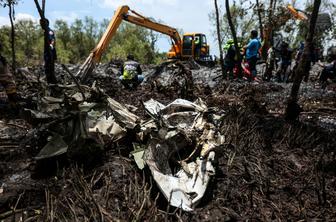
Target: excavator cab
{"type": "Point", "coordinates": [195, 45]}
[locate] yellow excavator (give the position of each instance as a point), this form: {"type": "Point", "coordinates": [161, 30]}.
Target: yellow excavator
{"type": "Point", "coordinates": [191, 45]}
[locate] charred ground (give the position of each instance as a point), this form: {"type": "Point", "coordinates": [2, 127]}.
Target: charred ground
{"type": "Point", "coordinates": [268, 168]}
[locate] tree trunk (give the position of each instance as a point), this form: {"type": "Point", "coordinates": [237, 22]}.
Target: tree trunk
{"type": "Point", "coordinates": [274, 5]}
{"type": "Point", "coordinates": [234, 36]}
{"type": "Point", "coordinates": [43, 6]}
{"type": "Point", "coordinates": [11, 18]}
{"type": "Point", "coordinates": [268, 30]}
{"type": "Point", "coordinates": [221, 59]}
{"type": "Point", "coordinates": [270, 15]}
{"type": "Point", "coordinates": [153, 39]}
{"type": "Point", "coordinates": [293, 109]}
{"type": "Point", "coordinates": [49, 62]}
{"type": "Point", "coordinates": [260, 21]}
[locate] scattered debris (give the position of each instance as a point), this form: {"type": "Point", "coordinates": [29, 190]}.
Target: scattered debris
{"type": "Point", "coordinates": [229, 152]}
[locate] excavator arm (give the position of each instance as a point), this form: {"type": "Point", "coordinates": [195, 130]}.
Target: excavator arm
{"type": "Point", "coordinates": [140, 20]}
{"type": "Point", "coordinates": [109, 33]}
{"type": "Point", "coordinates": [125, 13]}
{"type": "Point", "coordinates": [287, 13]}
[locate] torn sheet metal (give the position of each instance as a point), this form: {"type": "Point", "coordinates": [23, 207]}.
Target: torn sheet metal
{"type": "Point", "coordinates": [55, 147]}
{"type": "Point", "coordinates": [154, 108]}
{"type": "Point", "coordinates": [79, 96]}
{"type": "Point", "coordinates": [36, 114]}
{"type": "Point", "coordinates": [114, 126]}
{"type": "Point", "coordinates": [186, 189]}
{"type": "Point", "coordinates": [138, 157]}
{"type": "Point", "coordinates": [138, 154]}
{"type": "Point", "coordinates": [179, 105]}
{"type": "Point", "coordinates": [145, 129]}
{"type": "Point", "coordinates": [103, 125]}
{"type": "Point", "coordinates": [98, 123]}
{"type": "Point", "coordinates": [86, 107]}
{"type": "Point", "coordinates": [185, 185]}
{"type": "Point", "coordinates": [180, 113]}
{"type": "Point", "coordinates": [51, 104]}
{"type": "Point", "coordinates": [122, 115]}
{"type": "Point", "coordinates": [117, 132]}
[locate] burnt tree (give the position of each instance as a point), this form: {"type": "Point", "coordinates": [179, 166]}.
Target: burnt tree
{"type": "Point", "coordinates": [11, 14]}
{"type": "Point", "coordinates": [11, 18]}
{"type": "Point", "coordinates": [260, 20]}
{"type": "Point", "coordinates": [221, 59]}
{"type": "Point", "coordinates": [267, 34]}
{"type": "Point", "coordinates": [293, 109]}
{"type": "Point", "coordinates": [49, 53]}
{"type": "Point", "coordinates": [234, 36]}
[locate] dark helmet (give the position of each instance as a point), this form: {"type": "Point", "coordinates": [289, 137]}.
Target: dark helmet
{"type": "Point", "coordinates": [130, 57]}
{"type": "Point", "coordinates": [284, 44]}
{"type": "Point", "coordinates": [254, 33]}
{"type": "Point", "coordinates": [331, 53]}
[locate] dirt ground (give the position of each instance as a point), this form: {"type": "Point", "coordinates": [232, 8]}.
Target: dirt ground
{"type": "Point", "coordinates": [267, 170]}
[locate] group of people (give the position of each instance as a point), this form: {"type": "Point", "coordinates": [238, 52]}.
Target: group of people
{"type": "Point", "coordinates": [282, 67]}
{"type": "Point", "coordinates": [284, 55]}
{"type": "Point", "coordinates": [279, 59]}
{"type": "Point", "coordinates": [251, 53]}
{"type": "Point", "coordinates": [285, 70]}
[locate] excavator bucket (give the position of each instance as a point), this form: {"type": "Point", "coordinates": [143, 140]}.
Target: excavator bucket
{"type": "Point", "coordinates": [86, 69]}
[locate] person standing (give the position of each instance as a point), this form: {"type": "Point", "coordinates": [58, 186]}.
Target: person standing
{"type": "Point", "coordinates": [50, 54]}
{"type": "Point", "coordinates": [283, 73]}
{"type": "Point", "coordinates": [230, 59]}
{"type": "Point", "coordinates": [252, 52]}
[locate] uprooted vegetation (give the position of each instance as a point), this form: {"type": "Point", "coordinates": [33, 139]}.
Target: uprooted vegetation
{"type": "Point", "coordinates": [266, 168]}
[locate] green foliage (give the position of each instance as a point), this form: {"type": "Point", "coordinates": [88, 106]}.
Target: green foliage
{"type": "Point", "coordinates": [75, 41]}
{"type": "Point", "coordinates": [243, 18]}
{"type": "Point", "coordinates": [131, 39]}
{"type": "Point", "coordinates": [26, 33]}
{"type": "Point", "coordinates": [5, 40]}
